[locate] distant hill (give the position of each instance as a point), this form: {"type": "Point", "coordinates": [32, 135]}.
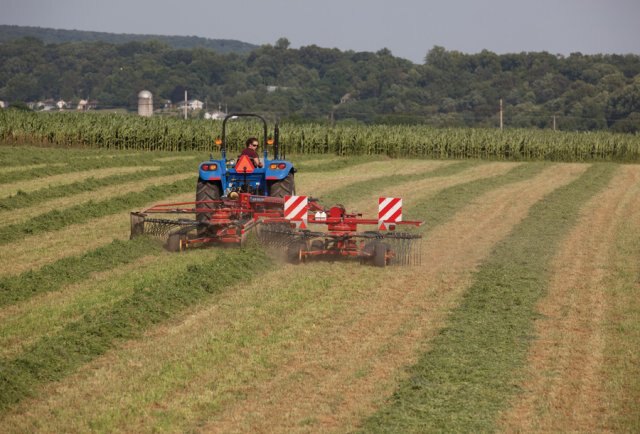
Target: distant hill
{"type": "Point", "coordinates": [57, 36]}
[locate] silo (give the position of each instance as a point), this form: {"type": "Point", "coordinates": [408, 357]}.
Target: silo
{"type": "Point", "coordinates": [145, 103]}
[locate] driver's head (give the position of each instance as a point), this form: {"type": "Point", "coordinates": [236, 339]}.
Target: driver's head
{"type": "Point", "coordinates": [252, 143]}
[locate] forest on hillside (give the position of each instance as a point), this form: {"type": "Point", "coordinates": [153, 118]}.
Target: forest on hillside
{"type": "Point", "coordinates": [578, 92]}
{"type": "Point", "coordinates": [59, 36]}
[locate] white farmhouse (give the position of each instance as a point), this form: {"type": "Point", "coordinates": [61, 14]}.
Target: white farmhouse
{"type": "Point", "coordinates": [192, 104]}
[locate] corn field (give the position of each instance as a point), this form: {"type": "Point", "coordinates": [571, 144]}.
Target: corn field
{"type": "Point", "coordinates": [115, 131]}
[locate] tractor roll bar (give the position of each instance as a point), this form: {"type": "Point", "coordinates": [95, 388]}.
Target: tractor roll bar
{"type": "Point", "coordinates": [223, 147]}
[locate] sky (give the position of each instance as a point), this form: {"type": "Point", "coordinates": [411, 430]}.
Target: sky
{"type": "Point", "coordinates": [409, 28]}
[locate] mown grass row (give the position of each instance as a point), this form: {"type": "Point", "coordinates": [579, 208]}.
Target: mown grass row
{"type": "Point", "coordinates": [83, 165]}
{"type": "Point", "coordinates": [25, 199]}
{"type": "Point", "coordinates": [169, 134]}
{"type": "Point", "coordinates": [472, 366]}
{"type": "Point", "coordinates": [622, 332]}
{"type": "Point", "coordinates": [81, 213]}
{"type": "Point", "coordinates": [379, 183]}
{"type": "Point", "coordinates": [53, 357]}
{"type": "Point", "coordinates": [53, 277]}
{"type": "Point", "coordinates": [444, 204]}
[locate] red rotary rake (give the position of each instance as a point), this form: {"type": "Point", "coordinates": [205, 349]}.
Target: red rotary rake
{"type": "Point", "coordinates": [289, 222]}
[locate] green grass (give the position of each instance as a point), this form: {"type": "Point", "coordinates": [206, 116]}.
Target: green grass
{"type": "Point", "coordinates": [153, 301]}
{"type": "Point", "coordinates": [53, 277]}
{"type": "Point", "coordinates": [472, 367]}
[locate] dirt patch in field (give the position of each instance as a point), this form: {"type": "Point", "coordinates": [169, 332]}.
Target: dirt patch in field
{"type": "Point", "coordinates": [67, 178]}
{"type": "Point", "coordinates": [564, 390]}
{"type": "Point", "coordinates": [342, 372]}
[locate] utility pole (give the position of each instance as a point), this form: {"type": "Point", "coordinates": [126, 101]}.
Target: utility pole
{"type": "Point", "coordinates": [554, 122]}
{"type": "Point", "coordinates": [185, 104]}
{"type": "Point", "coordinates": [501, 123]}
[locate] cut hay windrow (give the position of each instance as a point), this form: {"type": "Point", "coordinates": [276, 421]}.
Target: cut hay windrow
{"type": "Point", "coordinates": [47, 313]}
{"type": "Point", "coordinates": [13, 169]}
{"type": "Point", "coordinates": [467, 375]}
{"type": "Point", "coordinates": [73, 269]}
{"type": "Point", "coordinates": [567, 365]}
{"type": "Point", "coordinates": [319, 184]}
{"type": "Point", "coordinates": [12, 189]}
{"type": "Point", "coordinates": [73, 167]}
{"type": "Point", "coordinates": [344, 193]}
{"type": "Point", "coordinates": [54, 357]}
{"type": "Point", "coordinates": [56, 220]}
{"type": "Point", "coordinates": [26, 199]}
{"type": "Point", "coordinates": [622, 329]}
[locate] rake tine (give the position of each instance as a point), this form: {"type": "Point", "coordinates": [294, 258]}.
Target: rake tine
{"type": "Point", "coordinates": [407, 248]}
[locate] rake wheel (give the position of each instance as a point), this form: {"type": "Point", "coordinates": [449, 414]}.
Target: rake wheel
{"type": "Point", "coordinates": [294, 252]}
{"type": "Point", "coordinates": [137, 225]}
{"type": "Point", "coordinates": [380, 254]}
{"type": "Point", "coordinates": [174, 242]}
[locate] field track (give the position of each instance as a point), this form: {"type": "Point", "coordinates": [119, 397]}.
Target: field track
{"type": "Point", "coordinates": [324, 346]}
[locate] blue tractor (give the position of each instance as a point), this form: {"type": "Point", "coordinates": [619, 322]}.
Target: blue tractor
{"type": "Point", "coordinates": [227, 178]}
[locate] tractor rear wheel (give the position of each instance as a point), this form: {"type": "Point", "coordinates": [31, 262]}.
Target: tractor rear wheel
{"type": "Point", "coordinates": [284, 187]}
{"type": "Point", "coordinates": [380, 254]}
{"type": "Point", "coordinates": [206, 191]}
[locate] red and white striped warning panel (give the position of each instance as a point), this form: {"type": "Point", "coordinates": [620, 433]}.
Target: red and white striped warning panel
{"type": "Point", "coordinates": [389, 211]}
{"type": "Point", "coordinates": [296, 209]}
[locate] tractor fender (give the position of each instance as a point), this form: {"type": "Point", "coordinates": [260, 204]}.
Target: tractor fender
{"type": "Point", "coordinates": [211, 170]}
{"type": "Point", "coordinates": [277, 170]}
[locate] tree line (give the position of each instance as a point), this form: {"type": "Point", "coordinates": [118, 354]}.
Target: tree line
{"type": "Point", "coordinates": [538, 89]}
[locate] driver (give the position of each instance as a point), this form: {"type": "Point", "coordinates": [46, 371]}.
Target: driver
{"type": "Point", "coordinates": [251, 151]}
